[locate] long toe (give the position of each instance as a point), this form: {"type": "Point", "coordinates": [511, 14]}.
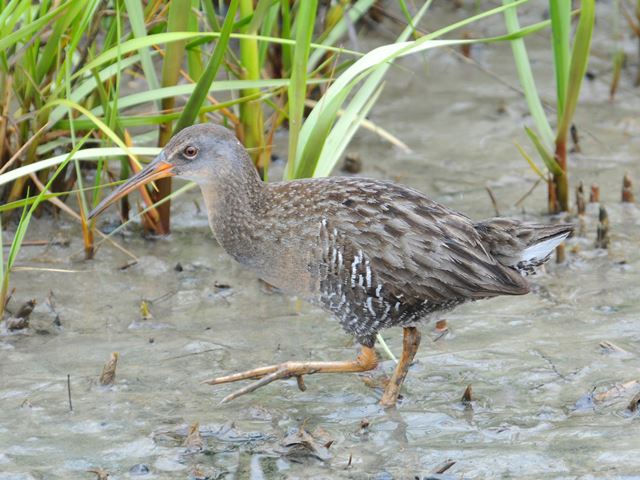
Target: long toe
{"type": "Point", "coordinates": [366, 360]}
{"type": "Point", "coordinates": [267, 379]}
{"type": "Point", "coordinates": [247, 375]}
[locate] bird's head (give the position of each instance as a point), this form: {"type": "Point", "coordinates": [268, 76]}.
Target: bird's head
{"type": "Point", "coordinates": [203, 153]}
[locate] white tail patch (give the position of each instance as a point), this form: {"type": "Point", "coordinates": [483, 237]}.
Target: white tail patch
{"type": "Point", "coordinates": [539, 251]}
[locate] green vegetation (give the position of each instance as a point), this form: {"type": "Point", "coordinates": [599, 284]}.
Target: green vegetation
{"type": "Point", "coordinates": [256, 66]}
{"type": "Point", "coordinates": [570, 65]}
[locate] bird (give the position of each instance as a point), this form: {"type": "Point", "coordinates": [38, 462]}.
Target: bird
{"type": "Point", "coordinates": [372, 253]}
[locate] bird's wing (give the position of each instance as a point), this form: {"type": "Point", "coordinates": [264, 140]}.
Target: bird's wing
{"type": "Point", "coordinates": [416, 247]}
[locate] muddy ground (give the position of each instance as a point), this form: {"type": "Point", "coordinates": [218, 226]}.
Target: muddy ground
{"type": "Point", "coordinates": [550, 399]}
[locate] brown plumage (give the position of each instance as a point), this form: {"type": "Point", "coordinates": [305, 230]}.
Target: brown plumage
{"type": "Point", "coordinates": [375, 254]}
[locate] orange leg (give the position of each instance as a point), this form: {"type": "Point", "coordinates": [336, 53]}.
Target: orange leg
{"type": "Point", "coordinates": [410, 344]}
{"type": "Point", "coordinates": [366, 360]}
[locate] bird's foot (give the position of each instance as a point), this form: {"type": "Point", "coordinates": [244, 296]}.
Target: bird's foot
{"type": "Point", "coordinates": [410, 344]}
{"type": "Point", "coordinates": [366, 360]}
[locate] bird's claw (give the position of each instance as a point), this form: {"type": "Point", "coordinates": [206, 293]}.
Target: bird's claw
{"type": "Point", "coordinates": [280, 374]}
{"type": "Point", "coordinates": [367, 360]}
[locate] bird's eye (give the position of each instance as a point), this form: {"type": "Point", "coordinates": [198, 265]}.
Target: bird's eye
{"type": "Point", "coordinates": [190, 151]}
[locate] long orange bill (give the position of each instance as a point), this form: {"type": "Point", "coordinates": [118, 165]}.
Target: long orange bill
{"type": "Point", "coordinates": [158, 168]}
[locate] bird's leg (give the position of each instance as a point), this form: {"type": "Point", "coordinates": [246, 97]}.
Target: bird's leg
{"type": "Point", "coordinates": [366, 360]}
{"type": "Point", "coordinates": [410, 344]}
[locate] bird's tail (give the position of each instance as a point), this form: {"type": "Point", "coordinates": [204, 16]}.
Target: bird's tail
{"type": "Point", "coordinates": [519, 245]}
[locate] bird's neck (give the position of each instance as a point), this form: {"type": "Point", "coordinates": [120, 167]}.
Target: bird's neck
{"type": "Point", "coordinates": [233, 202]}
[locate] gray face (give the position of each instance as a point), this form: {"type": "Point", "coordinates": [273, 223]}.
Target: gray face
{"type": "Point", "coordinates": [203, 153]}
{"type": "Point", "coordinates": [207, 154]}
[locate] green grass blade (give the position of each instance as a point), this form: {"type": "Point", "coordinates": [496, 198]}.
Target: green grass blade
{"type": "Point", "coordinates": [4, 281]}
{"type": "Point", "coordinates": [579, 63]}
{"type": "Point", "coordinates": [343, 131]}
{"type": "Point", "coordinates": [79, 30]}
{"type": "Point", "coordinates": [159, 38]}
{"type": "Point", "coordinates": [259, 15]}
{"type": "Point", "coordinates": [201, 89]}
{"type": "Point", "coordinates": [6, 12]}
{"type": "Point", "coordinates": [251, 113]}
{"type": "Point", "coordinates": [210, 14]}
{"type": "Point", "coordinates": [348, 123]}
{"type": "Point", "coordinates": [139, 29]}
{"type": "Point", "coordinates": [157, 119]}
{"type": "Point", "coordinates": [285, 9]}
{"type": "Point", "coordinates": [30, 199]}
{"type": "Point", "coordinates": [177, 21]}
{"type": "Point", "coordinates": [31, 27]}
{"type": "Point", "coordinates": [194, 53]}
{"type": "Point", "coordinates": [135, 44]}
{"type": "Point", "coordinates": [545, 154]}
{"type": "Point", "coordinates": [25, 218]}
{"type": "Point", "coordinates": [560, 14]}
{"type": "Point", "coordinates": [218, 86]}
{"type": "Point", "coordinates": [89, 85]}
{"type": "Point", "coordinates": [48, 54]}
{"type": "Point", "coordinates": [14, 249]}
{"type": "Point", "coordinates": [99, 123]}
{"type": "Point", "coordinates": [530, 161]}
{"type": "Point", "coordinates": [322, 117]}
{"type": "Point", "coordinates": [526, 78]}
{"type": "Point", "coordinates": [84, 154]}
{"type": "Point", "coordinates": [355, 12]}
{"type": "Point", "coordinates": [174, 194]}
{"type": "Point", "coordinates": [267, 28]}
{"type": "Point", "coordinates": [462, 23]}
{"type": "Point", "coordinates": [298, 85]}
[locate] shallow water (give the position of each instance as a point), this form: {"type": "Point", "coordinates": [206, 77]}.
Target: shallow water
{"type": "Point", "coordinates": [548, 400]}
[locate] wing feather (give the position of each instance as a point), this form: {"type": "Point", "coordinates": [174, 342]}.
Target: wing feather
{"type": "Point", "coordinates": [419, 247]}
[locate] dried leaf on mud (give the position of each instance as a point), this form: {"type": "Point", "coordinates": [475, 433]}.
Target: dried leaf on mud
{"type": "Point", "coordinates": [108, 376]}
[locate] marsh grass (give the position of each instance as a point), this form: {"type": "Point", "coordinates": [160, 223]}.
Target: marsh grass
{"type": "Point", "coordinates": [21, 230]}
{"type": "Point", "coordinates": [570, 61]}
{"type": "Point", "coordinates": [254, 66]}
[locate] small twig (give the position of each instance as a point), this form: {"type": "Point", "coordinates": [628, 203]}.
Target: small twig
{"type": "Point", "coordinates": [350, 460]}
{"type": "Point", "coordinates": [602, 235]}
{"type": "Point", "coordinates": [529, 192]}
{"type": "Point", "coordinates": [8, 299]}
{"type": "Point", "coordinates": [23, 148]}
{"type": "Point", "coordinates": [40, 243]}
{"type": "Point", "coordinates": [551, 364]}
{"type": "Point", "coordinates": [575, 138]}
{"type": "Point", "coordinates": [69, 392]}
{"type": "Point", "coordinates": [94, 30]}
{"type": "Point", "coordinates": [627, 189]}
{"type": "Point", "coordinates": [186, 355]}
{"type": "Point", "coordinates": [633, 404]}
{"type": "Point", "coordinates": [467, 396]}
{"type": "Point", "coordinates": [386, 348]}
{"type": "Point", "coordinates": [494, 202]}
{"type": "Point", "coordinates": [64, 207]}
{"type": "Point", "coordinates": [561, 253]}
{"type": "Point", "coordinates": [594, 196]}
{"type": "Point", "coordinates": [444, 466]}
{"type": "Point", "coordinates": [580, 203]}
{"type": "Point", "coordinates": [612, 348]}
